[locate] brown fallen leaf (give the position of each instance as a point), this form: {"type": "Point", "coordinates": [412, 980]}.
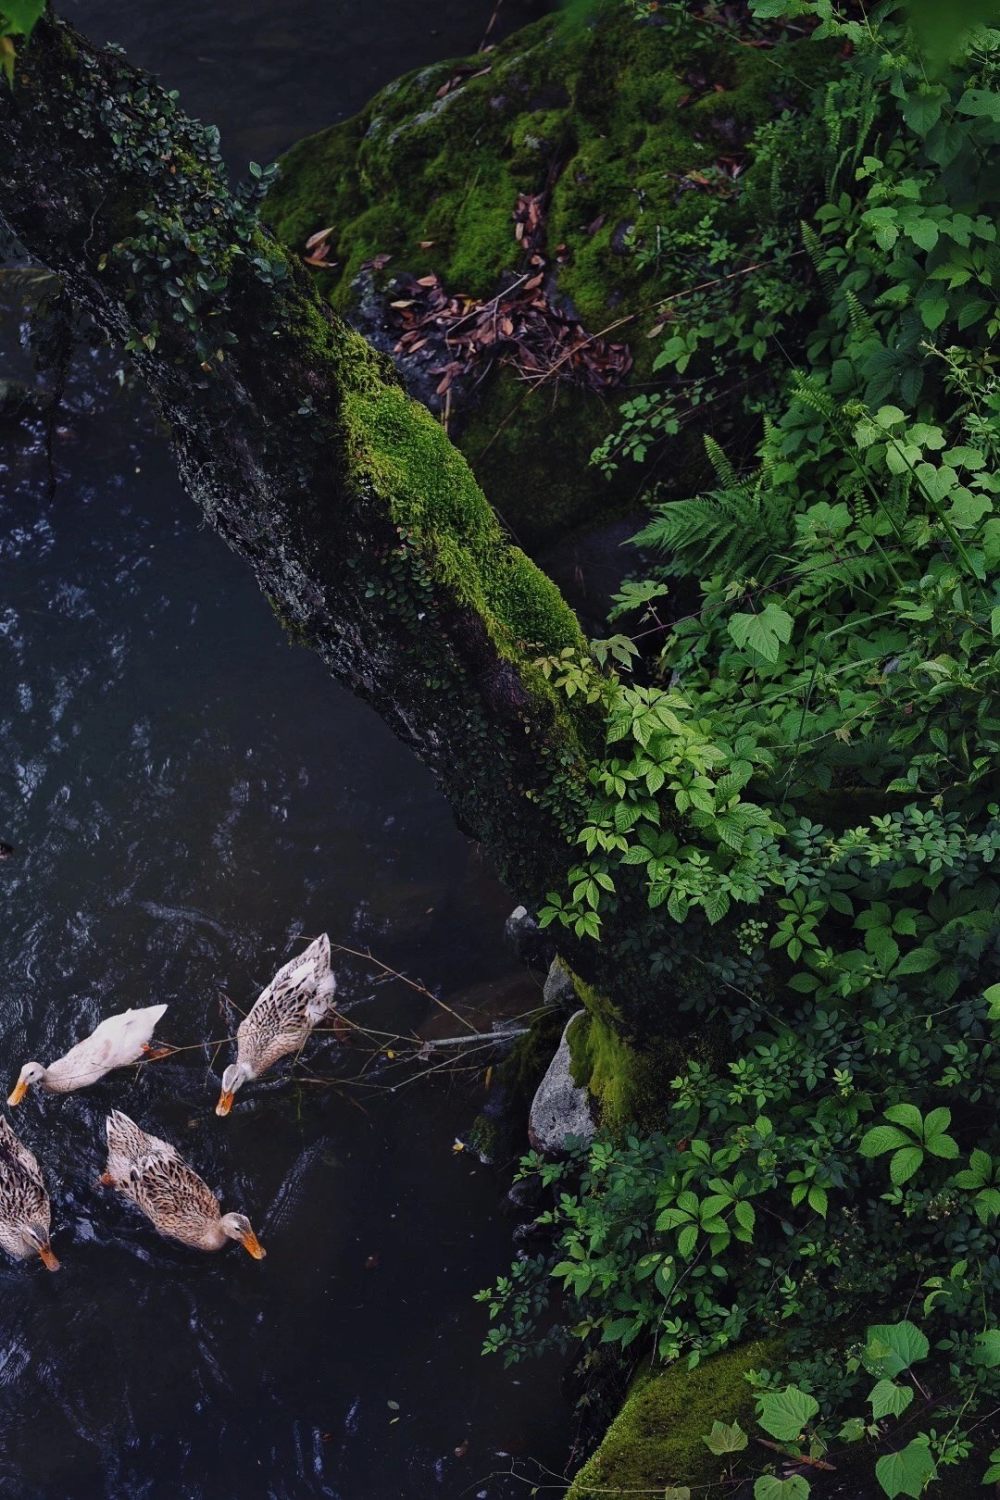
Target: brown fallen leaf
{"type": "Point", "coordinates": [427, 280]}
{"type": "Point", "coordinates": [426, 244]}
{"type": "Point", "coordinates": [319, 237]}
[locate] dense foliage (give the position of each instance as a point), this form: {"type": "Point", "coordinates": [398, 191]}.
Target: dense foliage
{"type": "Point", "coordinates": [806, 771]}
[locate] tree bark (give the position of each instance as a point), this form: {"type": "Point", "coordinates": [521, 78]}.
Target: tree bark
{"type": "Point", "coordinates": [362, 523]}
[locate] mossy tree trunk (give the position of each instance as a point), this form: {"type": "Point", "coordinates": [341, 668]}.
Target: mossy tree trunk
{"type": "Point", "coordinates": [362, 523]}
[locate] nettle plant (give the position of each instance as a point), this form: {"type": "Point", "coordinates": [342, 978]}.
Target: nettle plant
{"type": "Point", "coordinates": [802, 782]}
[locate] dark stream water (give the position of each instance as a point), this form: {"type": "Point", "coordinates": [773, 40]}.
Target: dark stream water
{"type": "Point", "coordinates": [188, 794]}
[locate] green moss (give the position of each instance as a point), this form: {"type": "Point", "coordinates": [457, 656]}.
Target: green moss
{"type": "Point", "coordinates": [602, 120]}
{"type": "Point", "coordinates": [656, 1438]}
{"type": "Point", "coordinates": [433, 495]}
{"type": "Point", "coordinates": [626, 1081]}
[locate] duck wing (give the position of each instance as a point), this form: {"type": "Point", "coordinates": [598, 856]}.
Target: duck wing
{"type": "Point", "coordinates": [172, 1194]}
{"type": "Point", "coordinates": [16, 1160]}
{"type": "Point", "coordinates": [275, 1026]}
{"type": "Point", "coordinates": [129, 1144]}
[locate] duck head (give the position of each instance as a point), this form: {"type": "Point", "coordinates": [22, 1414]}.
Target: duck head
{"type": "Point", "coordinates": [31, 1073]}
{"type": "Point", "coordinates": [237, 1227]}
{"type": "Point", "coordinates": [233, 1079]}
{"type": "Point", "coordinates": [36, 1239]}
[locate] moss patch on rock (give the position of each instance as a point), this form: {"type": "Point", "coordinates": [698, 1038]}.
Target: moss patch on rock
{"type": "Point", "coordinates": [605, 122]}
{"type": "Point", "coordinates": [656, 1438]}
{"type": "Point", "coordinates": [626, 1081]}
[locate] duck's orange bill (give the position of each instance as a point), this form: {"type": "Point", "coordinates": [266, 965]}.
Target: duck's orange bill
{"type": "Point", "coordinates": [251, 1243]}
{"type": "Point", "coordinates": [225, 1103]}
{"type": "Point", "coordinates": [48, 1259]}
{"type": "Point", "coordinates": [20, 1089]}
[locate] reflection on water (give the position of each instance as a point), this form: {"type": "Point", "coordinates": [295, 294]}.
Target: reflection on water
{"type": "Point", "coordinates": [189, 796]}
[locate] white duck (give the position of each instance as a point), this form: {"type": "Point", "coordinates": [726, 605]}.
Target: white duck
{"type": "Point", "coordinates": [298, 998]}
{"type": "Point", "coordinates": [179, 1203]}
{"type": "Point", "coordinates": [115, 1043]}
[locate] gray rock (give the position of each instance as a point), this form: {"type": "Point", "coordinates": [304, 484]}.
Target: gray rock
{"type": "Point", "coordinates": [559, 988]}
{"type": "Point", "coordinates": [560, 1109]}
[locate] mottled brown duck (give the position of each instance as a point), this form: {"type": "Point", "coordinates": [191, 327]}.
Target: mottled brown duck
{"type": "Point", "coordinates": [25, 1211]}
{"type": "Point", "coordinates": [283, 1017]}
{"type": "Point", "coordinates": [179, 1204]}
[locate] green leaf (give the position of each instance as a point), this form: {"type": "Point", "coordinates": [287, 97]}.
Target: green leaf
{"type": "Point", "coordinates": [745, 1216]}
{"type": "Point", "coordinates": [763, 633]}
{"type": "Point", "coordinates": [936, 1123]}
{"type": "Point", "coordinates": [677, 1492]}
{"type": "Point", "coordinates": [922, 110]}
{"type": "Point", "coordinates": [906, 1472]}
{"type": "Point", "coordinates": [818, 1200]}
{"type": "Point", "coordinates": [891, 1348]}
{"type": "Point", "coordinates": [785, 1413]}
{"type": "Point", "coordinates": [982, 103]}
{"type": "Point", "coordinates": [967, 510]}
{"type": "Point", "coordinates": [992, 998]}
{"type": "Point", "coordinates": [726, 1437]}
{"type": "Point", "coordinates": [882, 1138]}
{"type": "Point", "coordinates": [687, 1239]}
{"type": "Point", "coordinates": [21, 15]}
{"type": "Point", "coordinates": [988, 1348]}
{"type": "Point", "coordinates": [889, 1399]}
{"type": "Point", "coordinates": [917, 961]}
{"type": "Point", "coordinates": [904, 1164]}
{"type": "Point", "coordinates": [769, 1487]}
{"type": "Point", "coordinates": [933, 311]}
{"type": "Point", "coordinates": [908, 1115]}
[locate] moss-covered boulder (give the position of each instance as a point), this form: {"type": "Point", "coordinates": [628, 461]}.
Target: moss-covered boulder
{"type": "Point", "coordinates": [656, 1438]}
{"type": "Point", "coordinates": [617, 131]}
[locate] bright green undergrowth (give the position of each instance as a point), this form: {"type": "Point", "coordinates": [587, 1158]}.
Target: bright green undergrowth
{"type": "Point", "coordinates": [802, 783]}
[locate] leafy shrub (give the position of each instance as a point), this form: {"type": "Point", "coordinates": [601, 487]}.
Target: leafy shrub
{"type": "Point", "coordinates": [806, 769]}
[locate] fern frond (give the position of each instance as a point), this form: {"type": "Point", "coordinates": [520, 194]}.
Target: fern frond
{"type": "Point", "coordinates": [724, 471]}
{"type": "Point", "coordinates": [861, 323]}
{"type": "Point", "coordinates": [814, 249]}
{"type": "Point", "coordinates": [733, 530]}
{"type": "Point", "coordinates": [813, 395]}
{"type": "Point", "coordinates": [849, 111]}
